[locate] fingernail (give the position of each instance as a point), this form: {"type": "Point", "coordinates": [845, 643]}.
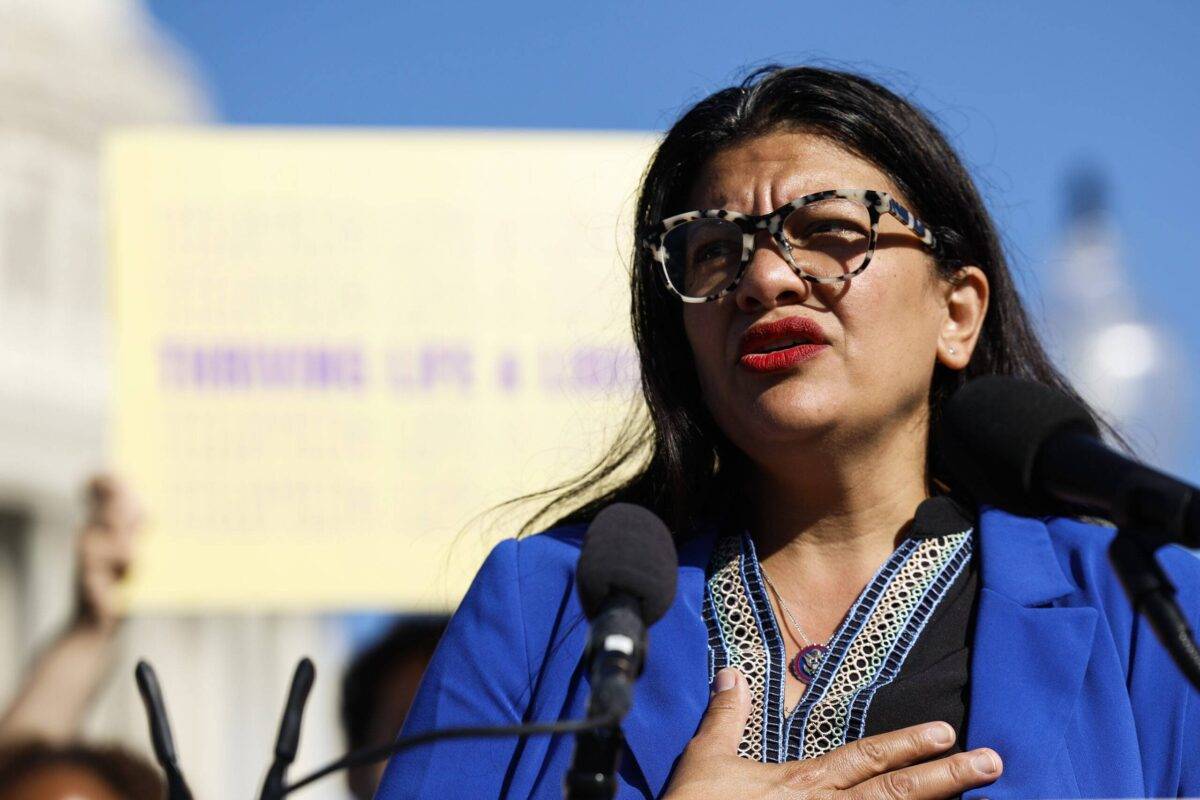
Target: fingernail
{"type": "Point", "coordinates": [940, 733]}
{"type": "Point", "coordinates": [984, 762]}
{"type": "Point", "coordinates": [726, 679]}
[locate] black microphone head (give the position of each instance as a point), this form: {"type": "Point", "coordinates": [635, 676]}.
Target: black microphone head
{"type": "Point", "coordinates": [992, 430]}
{"type": "Point", "coordinates": [156, 713]}
{"type": "Point", "coordinates": [628, 550]}
{"type": "Point", "coordinates": [288, 741]}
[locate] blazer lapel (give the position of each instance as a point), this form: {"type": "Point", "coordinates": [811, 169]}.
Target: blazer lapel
{"type": "Point", "coordinates": [1028, 658]}
{"type": "Point", "coordinates": [672, 693]}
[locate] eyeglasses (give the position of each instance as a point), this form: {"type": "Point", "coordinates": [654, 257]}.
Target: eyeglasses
{"type": "Point", "coordinates": [826, 237]}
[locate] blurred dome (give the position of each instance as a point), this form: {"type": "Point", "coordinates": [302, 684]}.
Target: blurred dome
{"type": "Point", "coordinates": [86, 64]}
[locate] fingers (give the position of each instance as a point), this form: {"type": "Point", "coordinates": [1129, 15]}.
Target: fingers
{"type": "Point", "coordinates": [102, 564]}
{"type": "Point", "coordinates": [101, 552]}
{"type": "Point", "coordinates": [112, 505]}
{"type": "Point", "coordinates": [865, 758]}
{"type": "Point", "coordinates": [935, 780]}
{"type": "Point", "coordinates": [728, 710]}
{"type": "Point", "coordinates": [105, 548]}
{"type": "Point", "coordinates": [114, 518]}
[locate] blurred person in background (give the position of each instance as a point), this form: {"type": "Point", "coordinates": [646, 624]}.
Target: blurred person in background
{"type": "Point", "coordinates": [378, 688]}
{"type": "Point", "coordinates": [40, 755]}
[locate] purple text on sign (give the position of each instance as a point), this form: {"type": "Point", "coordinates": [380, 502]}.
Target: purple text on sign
{"type": "Point", "coordinates": [426, 368]}
{"type": "Point", "coordinates": [247, 367]}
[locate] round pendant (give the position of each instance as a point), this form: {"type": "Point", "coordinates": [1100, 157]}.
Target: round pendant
{"type": "Point", "coordinates": [806, 663]}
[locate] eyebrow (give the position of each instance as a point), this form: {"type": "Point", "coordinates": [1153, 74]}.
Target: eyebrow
{"type": "Point", "coordinates": [722, 200]}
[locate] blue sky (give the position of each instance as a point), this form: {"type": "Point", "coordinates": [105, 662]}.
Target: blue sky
{"type": "Point", "coordinates": [1025, 89]}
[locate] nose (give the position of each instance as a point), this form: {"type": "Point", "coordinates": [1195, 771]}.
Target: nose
{"type": "Point", "coordinates": [769, 280]}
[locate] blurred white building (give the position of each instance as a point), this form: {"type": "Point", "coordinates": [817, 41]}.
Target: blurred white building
{"type": "Point", "coordinates": [1122, 360]}
{"type": "Point", "coordinates": [70, 70]}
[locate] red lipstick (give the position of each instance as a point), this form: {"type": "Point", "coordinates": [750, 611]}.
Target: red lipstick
{"type": "Point", "coordinates": [782, 344]}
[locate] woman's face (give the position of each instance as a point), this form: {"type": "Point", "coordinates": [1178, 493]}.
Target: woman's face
{"type": "Point", "coordinates": [882, 331]}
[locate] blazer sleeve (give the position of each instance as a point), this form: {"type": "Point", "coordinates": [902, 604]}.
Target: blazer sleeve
{"type": "Point", "coordinates": [1183, 567]}
{"type": "Point", "coordinates": [479, 675]}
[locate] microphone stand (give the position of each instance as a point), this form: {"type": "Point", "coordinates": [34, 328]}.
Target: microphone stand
{"type": "Point", "coordinates": [288, 741]}
{"type": "Point", "coordinates": [1148, 516]}
{"type": "Point", "coordinates": [616, 659]}
{"type": "Point", "coordinates": [160, 732]}
{"type": "Point", "coordinates": [592, 775]}
{"type": "Point", "coordinates": [1153, 595]}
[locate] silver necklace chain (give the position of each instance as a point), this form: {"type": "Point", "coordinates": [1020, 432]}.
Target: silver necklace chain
{"type": "Point", "coordinates": [786, 611]}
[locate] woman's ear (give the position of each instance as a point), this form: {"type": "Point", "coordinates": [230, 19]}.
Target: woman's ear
{"type": "Point", "coordinates": [966, 301]}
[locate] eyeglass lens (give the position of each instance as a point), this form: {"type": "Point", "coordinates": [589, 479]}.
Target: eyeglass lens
{"type": "Point", "coordinates": [828, 239]}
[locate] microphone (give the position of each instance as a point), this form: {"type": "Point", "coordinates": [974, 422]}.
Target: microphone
{"type": "Point", "coordinates": [1027, 447]}
{"type": "Point", "coordinates": [160, 731]}
{"type": "Point", "coordinates": [626, 581]}
{"type": "Point", "coordinates": [288, 741]}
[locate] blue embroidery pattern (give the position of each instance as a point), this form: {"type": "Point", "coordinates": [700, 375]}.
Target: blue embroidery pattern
{"type": "Point", "coordinates": [865, 653]}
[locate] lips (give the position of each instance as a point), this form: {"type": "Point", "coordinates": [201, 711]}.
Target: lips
{"type": "Point", "coordinates": [783, 343]}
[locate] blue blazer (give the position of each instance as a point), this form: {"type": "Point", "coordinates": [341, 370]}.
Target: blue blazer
{"type": "Point", "coordinates": [1072, 689]}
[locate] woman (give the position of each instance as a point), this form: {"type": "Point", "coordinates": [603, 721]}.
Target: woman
{"type": "Point", "coordinates": [816, 275]}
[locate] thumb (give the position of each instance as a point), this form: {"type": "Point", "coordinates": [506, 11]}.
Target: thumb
{"type": "Point", "coordinates": [728, 711]}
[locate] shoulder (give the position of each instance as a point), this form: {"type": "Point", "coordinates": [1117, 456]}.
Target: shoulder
{"type": "Point", "coordinates": [1084, 555]}
{"type": "Point", "coordinates": [542, 561]}
{"type": "Point", "coordinates": [525, 591]}
{"type": "Point", "coordinates": [522, 597]}
{"type": "Point", "coordinates": [558, 546]}
{"type": "Point", "coordinates": [519, 576]}
{"type": "Point", "coordinates": [1083, 549]}
{"type": "Point", "coordinates": [1038, 560]}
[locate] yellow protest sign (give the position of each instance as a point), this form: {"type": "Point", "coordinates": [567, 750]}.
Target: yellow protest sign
{"type": "Point", "coordinates": [333, 349]}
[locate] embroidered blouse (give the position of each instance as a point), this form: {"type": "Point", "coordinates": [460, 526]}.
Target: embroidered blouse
{"type": "Point", "coordinates": [899, 657]}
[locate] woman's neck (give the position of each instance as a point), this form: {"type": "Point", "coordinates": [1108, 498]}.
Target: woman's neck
{"type": "Point", "coordinates": [834, 518]}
